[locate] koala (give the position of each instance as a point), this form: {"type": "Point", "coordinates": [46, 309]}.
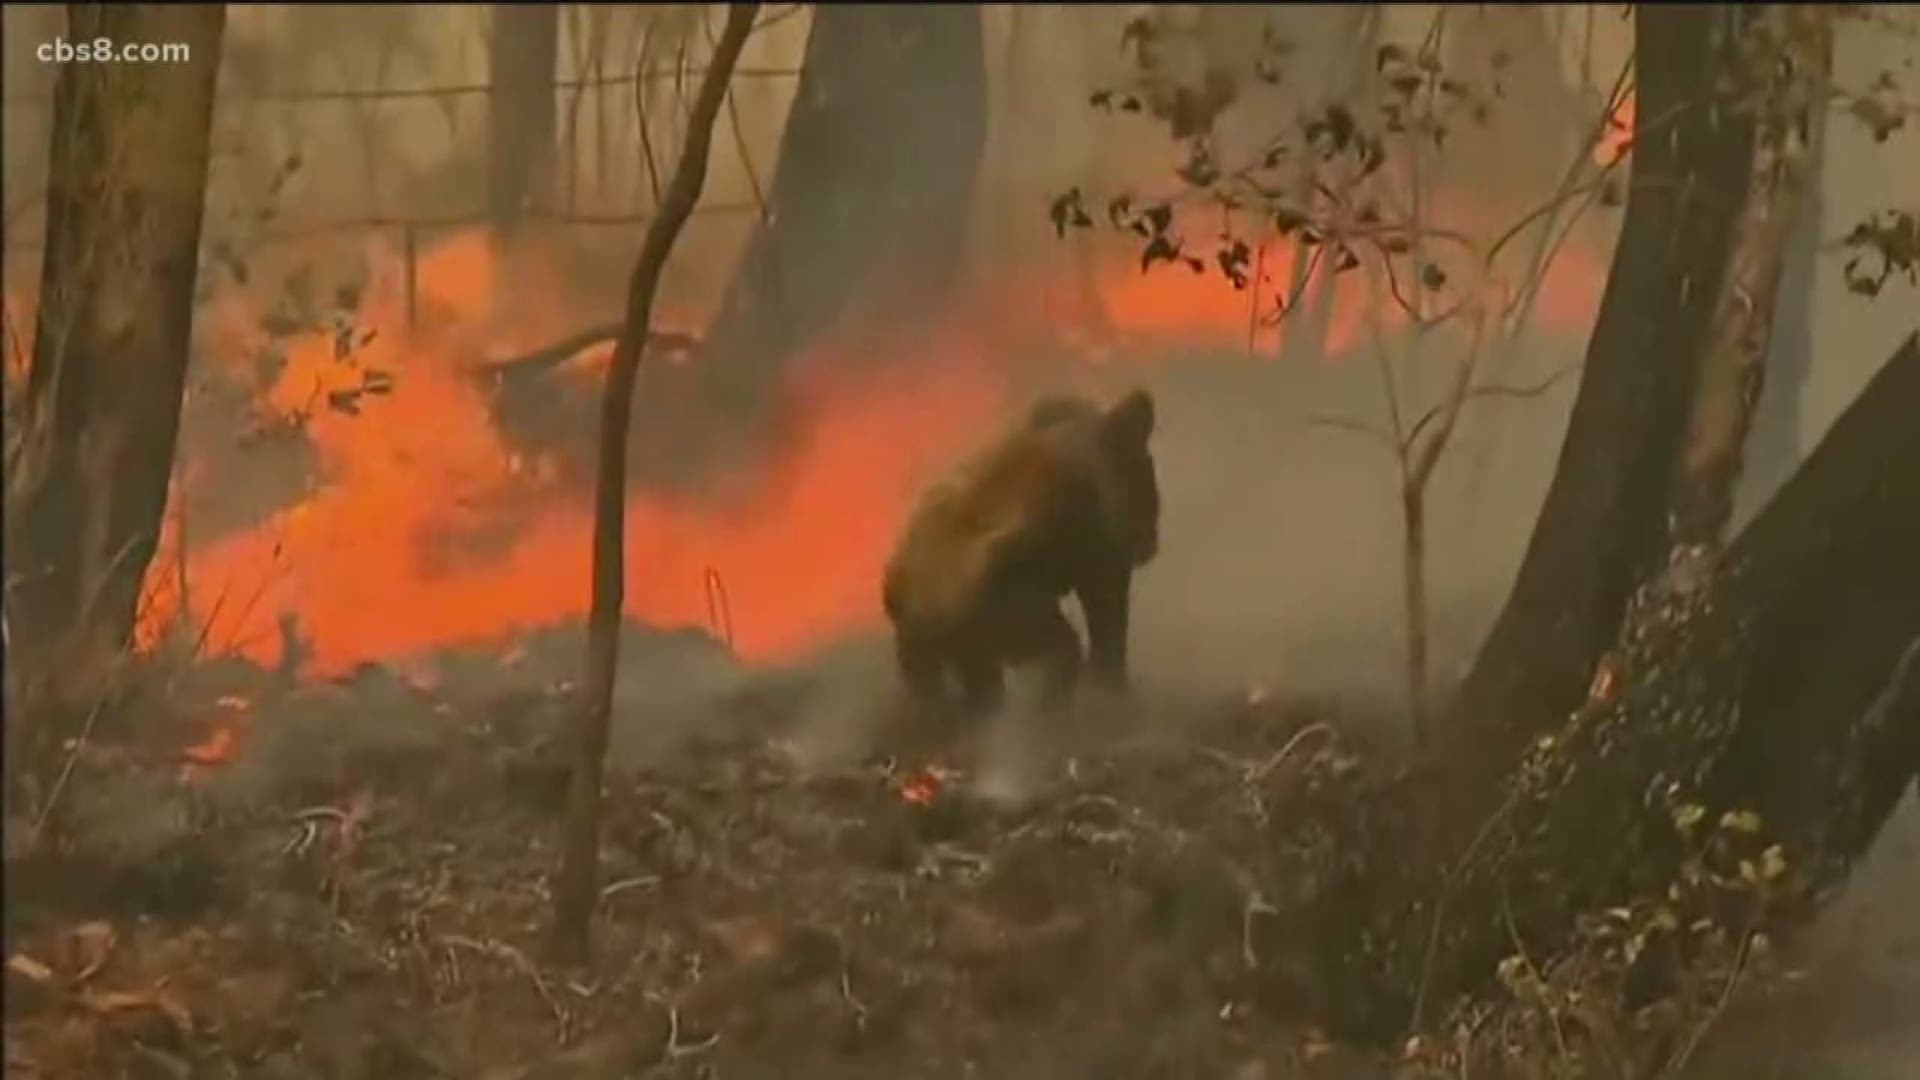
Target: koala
{"type": "Point", "coordinates": [1066, 501]}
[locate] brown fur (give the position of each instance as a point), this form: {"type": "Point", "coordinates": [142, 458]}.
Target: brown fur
{"type": "Point", "coordinates": [1065, 501]}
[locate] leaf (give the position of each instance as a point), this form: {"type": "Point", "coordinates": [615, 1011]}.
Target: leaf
{"type": "Point", "coordinates": [344, 401]}
{"type": "Point", "coordinates": [377, 382]}
{"type": "Point", "coordinates": [1158, 217]}
{"type": "Point", "coordinates": [1159, 249]}
{"type": "Point", "coordinates": [27, 967]}
{"type": "Point", "coordinates": [1196, 265]}
{"type": "Point", "coordinates": [1199, 169]}
{"type": "Point", "coordinates": [1372, 156]}
{"type": "Point", "coordinates": [94, 942]}
{"type": "Point", "coordinates": [1060, 211]}
{"type": "Point", "coordinates": [1433, 277]}
{"type": "Point", "coordinates": [1388, 54]}
{"type": "Point", "coordinates": [1345, 260]}
{"type": "Point", "coordinates": [1233, 261]}
{"type": "Point", "coordinates": [1119, 209]}
{"type": "Point", "coordinates": [1288, 220]}
{"type": "Point", "coordinates": [1773, 863]}
{"type": "Point", "coordinates": [1130, 104]}
{"type": "Point", "coordinates": [1687, 816]}
{"type": "Point", "coordinates": [1101, 99]}
{"type": "Point", "coordinates": [1740, 821]}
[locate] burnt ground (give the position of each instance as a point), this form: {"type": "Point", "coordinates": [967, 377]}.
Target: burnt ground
{"type": "Point", "coordinates": [358, 890]}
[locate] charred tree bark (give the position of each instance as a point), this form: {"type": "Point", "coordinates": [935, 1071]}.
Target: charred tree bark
{"type": "Point", "coordinates": [1775, 448]}
{"type": "Point", "coordinates": [1732, 368]}
{"type": "Point", "coordinates": [576, 889]}
{"type": "Point", "coordinates": [1787, 683]}
{"type": "Point", "coordinates": [522, 51]}
{"type": "Point", "coordinates": [869, 212]}
{"type": "Point", "coordinates": [1702, 669]}
{"type": "Point", "coordinates": [1602, 527]}
{"type": "Point", "coordinates": [126, 187]}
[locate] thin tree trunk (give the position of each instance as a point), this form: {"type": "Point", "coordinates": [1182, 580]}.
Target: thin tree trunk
{"type": "Point", "coordinates": [1413, 516]}
{"type": "Point", "coordinates": [126, 188]}
{"type": "Point", "coordinates": [576, 889]}
{"type": "Point", "coordinates": [523, 50]}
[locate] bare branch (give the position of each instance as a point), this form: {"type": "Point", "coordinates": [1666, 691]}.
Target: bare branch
{"type": "Point", "coordinates": [1357, 427]}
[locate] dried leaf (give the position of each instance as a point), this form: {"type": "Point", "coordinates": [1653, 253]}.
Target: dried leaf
{"type": "Point", "coordinates": [93, 943]}
{"type": "Point", "coordinates": [28, 968]}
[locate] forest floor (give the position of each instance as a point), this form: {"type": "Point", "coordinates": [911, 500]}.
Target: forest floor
{"type": "Point", "coordinates": [358, 889]}
{"type": "Point", "coordinates": [351, 883]}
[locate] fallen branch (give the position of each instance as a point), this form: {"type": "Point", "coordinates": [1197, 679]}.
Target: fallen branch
{"type": "Point", "coordinates": [547, 357]}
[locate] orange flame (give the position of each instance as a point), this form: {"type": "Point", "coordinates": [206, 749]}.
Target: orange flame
{"type": "Point", "coordinates": [429, 531]}
{"type": "Point", "coordinates": [426, 529]}
{"type": "Point", "coordinates": [1616, 135]}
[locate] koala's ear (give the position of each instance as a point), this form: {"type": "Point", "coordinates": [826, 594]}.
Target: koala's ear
{"type": "Point", "coordinates": [1130, 420]}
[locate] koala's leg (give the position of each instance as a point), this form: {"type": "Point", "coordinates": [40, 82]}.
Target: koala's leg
{"type": "Point", "coordinates": [983, 681]}
{"type": "Point", "coordinates": [1056, 646]}
{"type": "Point", "coordinates": [922, 668]}
{"type": "Point", "coordinates": [1105, 598]}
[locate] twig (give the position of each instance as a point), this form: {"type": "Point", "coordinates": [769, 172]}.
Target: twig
{"type": "Point", "coordinates": [613, 889]}
{"type": "Point", "coordinates": [641, 112]}
{"type": "Point", "coordinates": [1492, 391]}
{"type": "Point", "coordinates": [1533, 971]}
{"type": "Point", "coordinates": [66, 770]}
{"type": "Point", "coordinates": [500, 950]}
{"type": "Point", "coordinates": [719, 608]}
{"type": "Point", "coordinates": [1280, 756]}
{"type": "Point", "coordinates": [846, 994]}
{"type": "Point", "coordinates": [1699, 1032]}
{"type": "Point", "coordinates": [733, 121]}
{"type": "Point", "coordinates": [1255, 905]}
{"type": "Point", "coordinates": [673, 1051]}
{"type": "Point", "coordinates": [1342, 423]}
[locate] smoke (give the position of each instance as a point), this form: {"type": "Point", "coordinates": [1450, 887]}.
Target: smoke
{"type": "Point", "coordinates": [1280, 564]}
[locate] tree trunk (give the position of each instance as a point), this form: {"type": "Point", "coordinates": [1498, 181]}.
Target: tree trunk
{"type": "Point", "coordinates": [126, 185]}
{"type": "Point", "coordinates": [869, 212]}
{"type": "Point", "coordinates": [522, 54]}
{"type": "Point", "coordinates": [1732, 367]}
{"type": "Point", "coordinates": [1602, 526]}
{"type": "Point", "coordinates": [1788, 684]}
{"type": "Point", "coordinates": [576, 889]}
{"type": "Point", "coordinates": [1775, 449]}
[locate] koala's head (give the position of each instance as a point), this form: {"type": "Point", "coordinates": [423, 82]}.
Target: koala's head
{"type": "Point", "coordinates": [1126, 431]}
